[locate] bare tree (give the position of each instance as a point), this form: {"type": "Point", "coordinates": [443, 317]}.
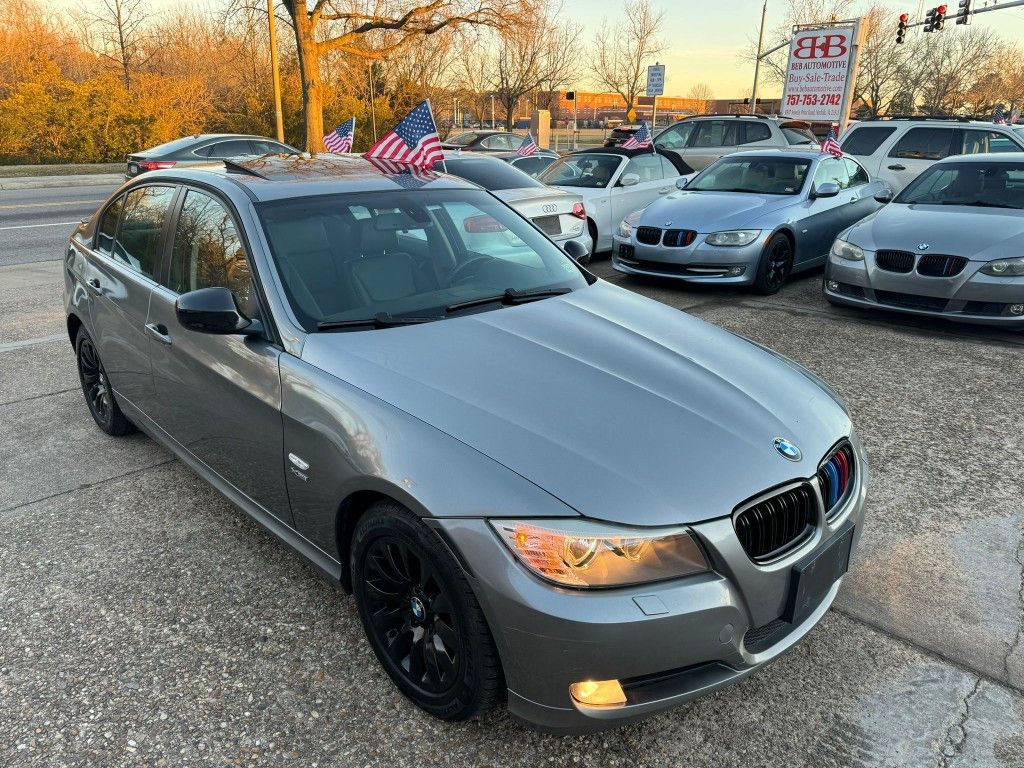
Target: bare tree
{"type": "Point", "coordinates": [882, 70]}
{"type": "Point", "coordinates": [943, 68]}
{"type": "Point", "coordinates": [622, 52]}
{"type": "Point", "coordinates": [117, 32]}
{"type": "Point", "coordinates": [798, 12]}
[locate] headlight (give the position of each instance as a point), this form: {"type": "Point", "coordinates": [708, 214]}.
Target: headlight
{"type": "Point", "coordinates": [848, 251]}
{"type": "Point", "coordinates": [734, 237]}
{"type": "Point", "coordinates": [627, 224]}
{"type": "Point", "coordinates": [583, 553]}
{"type": "Point", "coordinates": [1005, 268]}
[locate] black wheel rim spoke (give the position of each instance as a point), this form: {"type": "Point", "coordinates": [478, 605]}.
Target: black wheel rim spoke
{"type": "Point", "coordinates": [94, 383]}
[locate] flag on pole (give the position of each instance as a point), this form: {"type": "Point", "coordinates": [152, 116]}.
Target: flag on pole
{"type": "Point", "coordinates": [639, 140]}
{"type": "Point", "coordinates": [830, 145]}
{"type": "Point", "coordinates": [999, 116]}
{"type": "Point", "coordinates": [414, 140]}
{"type": "Point", "coordinates": [340, 139]}
{"type": "Point", "coordinates": [528, 147]}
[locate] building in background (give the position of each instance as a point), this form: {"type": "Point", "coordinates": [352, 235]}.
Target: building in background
{"type": "Point", "coordinates": [598, 109]}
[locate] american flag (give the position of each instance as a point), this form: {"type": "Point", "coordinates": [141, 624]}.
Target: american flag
{"type": "Point", "coordinates": [404, 175]}
{"type": "Point", "coordinates": [340, 139]}
{"type": "Point", "coordinates": [414, 140]}
{"type": "Point", "coordinates": [639, 140]}
{"type": "Point", "coordinates": [1015, 116]}
{"type": "Point", "coordinates": [528, 147]}
{"type": "Point", "coordinates": [999, 116]}
{"type": "Point", "coordinates": [830, 144]}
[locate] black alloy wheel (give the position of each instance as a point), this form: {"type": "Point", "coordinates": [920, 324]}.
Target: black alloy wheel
{"type": "Point", "coordinates": [96, 388]}
{"type": "Point", "coordinates": [775, 265]}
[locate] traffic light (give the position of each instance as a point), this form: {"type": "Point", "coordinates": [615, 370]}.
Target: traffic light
{"type": "Point", "coordinates": [570, 95]}
{"type": "Point", "coordinates": [963, 13]}
{"type": "Point", "coordinates": [901, 29]}
{"type": "Point", "coordinates": [929, 20]}
{"type": "Point", "coordinates": [940, 18]}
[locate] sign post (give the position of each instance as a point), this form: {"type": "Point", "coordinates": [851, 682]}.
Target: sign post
{"type": "Point", "coordinates": [655, 88]}
{"type": "Point", "coordinates": [821, 73]}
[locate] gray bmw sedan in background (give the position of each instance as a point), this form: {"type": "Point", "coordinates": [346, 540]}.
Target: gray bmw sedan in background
{"type": "Point", "coordinates": [410, 409]}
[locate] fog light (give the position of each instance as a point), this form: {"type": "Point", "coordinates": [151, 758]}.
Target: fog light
{"type": "Point", "coordinates": [833, 285]}
{"type": "Point", "coordinates": [598, 693]}
{"type": "Point", "coordinates": [735, 271]}
{"type": "Point", "coordinates": [1017, 309]}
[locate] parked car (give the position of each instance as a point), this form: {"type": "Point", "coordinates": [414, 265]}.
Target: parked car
{"type": "Point", "coordinates": [897, 151]}
{"type": "Point", "coordinates": [613, 182]}
{"type": "Point", "coordinates": [202, 148]}
{"type": "Point", "coordinates": [948, 246]}
{"type": "Point", "coordinates": [696, 142]}
{"type": "Point", "coordinates": [321, 345]}
{"type": "Point", "coordinates": [620, 135]}
{"type": "Point", "coordinates": [750, 218]}
{"type": "Point", "coordinates": [532, 165]}
{"type": "Point", "coordinates": [560, 215]}
{"type": "Point", "coordinates": [483, 141]}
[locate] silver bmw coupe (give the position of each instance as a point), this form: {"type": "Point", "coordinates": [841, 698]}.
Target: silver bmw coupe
{"type": "Point", "coordinates": [539, 487]}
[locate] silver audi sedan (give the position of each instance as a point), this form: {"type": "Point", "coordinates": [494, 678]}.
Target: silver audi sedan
{"type": "Point", "coordinates": [749, 219]}
{"type": "Point", "coordinates": [948, 246]}
{"type": "Point", "coordinates": [422, 414]}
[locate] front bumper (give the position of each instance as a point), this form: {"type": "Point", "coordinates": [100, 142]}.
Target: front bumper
{"type": "Point", "coordinates": [695, 263]}
{"type": "Point", "coordinates": [968, 297]}
{"type": "Point", "coordinates": [692, 635]}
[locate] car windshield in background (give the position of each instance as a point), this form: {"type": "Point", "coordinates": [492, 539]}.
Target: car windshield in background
{"type": "Point", "coordinates": [760, 175]}
{"type": "Point", "coordinates": [980, 184]}
{"type": "Point", "coordinates": [592, 171]}
{"type": "Point", "coordinates": [799, 136]}
{"type": "Point", "coordinates": [173, 146]}
{"type": "Point", "coordinates": [365, 260]}
{"type": "Point", "coordinates": [487, 172]}
{"type": "Point", "coordinates": [463, 139]}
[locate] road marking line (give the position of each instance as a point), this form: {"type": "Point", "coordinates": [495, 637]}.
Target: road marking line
{"type": "Point", "coordinates": [30, 226]}
{"type": "Point", "coordinates": [12, 345]}
{"type": "Point", "coordinates": [51, 203]}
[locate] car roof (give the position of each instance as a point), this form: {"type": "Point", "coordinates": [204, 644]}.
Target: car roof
{"type": "Point", "coordinates": [275, 177]}
{"type": "Point", "coordinates": [797, 153]}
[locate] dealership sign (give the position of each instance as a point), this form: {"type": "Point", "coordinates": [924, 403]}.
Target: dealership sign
{"type": "Point", "coordinates": [820, 73]}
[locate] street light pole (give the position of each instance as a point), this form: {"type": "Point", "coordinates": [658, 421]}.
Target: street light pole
{"type": "Point", "coordinates": [757, 61]}
{"type": "Point", "coordinates": [492, 110]}
{"type": "Point", "coordinates": [373, 107]}
{"type": "Point", "coordinates": [277, 72]}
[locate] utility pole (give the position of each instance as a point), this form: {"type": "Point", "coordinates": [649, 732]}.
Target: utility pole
{"type": "Point", "coordinates": [757, 61]}
{"type": "Point", "coordinates": [277, 71]}
{"type": "Point", "coordinates": [492, 110]}
{"type": "Point", "coordinates": [373, 108]}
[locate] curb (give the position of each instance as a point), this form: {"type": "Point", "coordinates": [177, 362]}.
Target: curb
{"type": "Point", "coordinates": [44, 182]}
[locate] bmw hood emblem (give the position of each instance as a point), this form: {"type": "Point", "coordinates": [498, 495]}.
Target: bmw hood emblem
{"type": "Point", "coordinates": [923, 246]}
{"type": "Point", "coordinates": [787, 449]}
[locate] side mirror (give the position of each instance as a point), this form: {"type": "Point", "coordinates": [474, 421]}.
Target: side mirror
{"type": "Point", "coordinates": [681, 182]}
{"type": "Point", "coordinates": [211, 310]}
{"type": "Point", "coordinates": [629, 180]}
{"type": "Point", "coordinates": [826, 189]}
{"type": "Point", "coordinates": [576, 251]}
{"type": "Point", "coordinates": [885, 196]}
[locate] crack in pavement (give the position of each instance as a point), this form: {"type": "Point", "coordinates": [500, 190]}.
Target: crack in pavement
{"type": "Point", "coordinates": [36, 397]}
{"type": "Point", "coordinates": [1019, 557]}
{"type": "Point", "coordinates": [953, 747]}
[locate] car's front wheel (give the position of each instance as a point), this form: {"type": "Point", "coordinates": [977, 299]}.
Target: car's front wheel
{"type": "Point", "coordinates": [96, 387]}
{"type": "Point", "coordinates": [421, 616]}
{"type": "Point", "coordinates": [775, 265]}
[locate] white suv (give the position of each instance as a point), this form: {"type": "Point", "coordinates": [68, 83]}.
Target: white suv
{"type": "Point", "coordinates": [897, 151]}
{"type": "Point", "coordinates": [699, 141]}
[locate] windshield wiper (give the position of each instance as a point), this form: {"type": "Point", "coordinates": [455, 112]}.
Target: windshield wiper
{"type": "Point", "coordinates": [509, 296]}
{"type": "Point", "coordinates": [380, 320]}
{"type": "Point", "coordinates": [979, 204]}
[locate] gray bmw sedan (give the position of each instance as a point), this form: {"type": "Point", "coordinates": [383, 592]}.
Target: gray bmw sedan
{"type": "Point", "coordinates": [539, 487]}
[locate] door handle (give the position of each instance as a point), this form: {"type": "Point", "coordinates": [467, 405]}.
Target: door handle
{"type": "Point", "coordinates": [94, 283]}
{"type": "Point", "coordinates": [159, 332]}
{"type": "Point", "coordinates": [897, 167]}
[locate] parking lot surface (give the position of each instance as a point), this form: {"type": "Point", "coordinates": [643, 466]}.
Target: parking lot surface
{"type": "Point", "coordinates": [144, 621]}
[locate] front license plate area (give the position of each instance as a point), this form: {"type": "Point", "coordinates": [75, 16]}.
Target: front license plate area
{"type": "Point", "coordinates": [814, 576]}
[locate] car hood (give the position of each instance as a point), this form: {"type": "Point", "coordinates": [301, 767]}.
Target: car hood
{"type": "Point", "coordinates": [712, 211]}
{"type": "Point", "coordinates": [621, 407]}
{"type": "Point", "coordinates": [979, 234]}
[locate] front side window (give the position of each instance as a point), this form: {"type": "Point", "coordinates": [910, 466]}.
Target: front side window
{"type": "Point", "coordinates": [647, 167]}
{"type": "Point", "coordinates": [233, 148]}
{"type": "Point", "coordinates": [208, 252]}
{"type": "Point", "coordinates": [759, 175]}
{"type": "Point", "coordinates": [833, 170]}
{"type": "Point", "coordinates": [108, 227]}
{"type": "Point", "coordinates": [715, 133]}
{"type": "Point", "coordinates": [923, 144]}
{"type": "Point", "coordinates": [858, 176]}
{"type": "Point", "coordinates": [863, 140]}
{"type": "Point", "coordinates": [142, 225]}
{"type": "Point", "coordinates": [980, 184]}
{"type": "Point", "coordinates": [675, 137]}
{"type": "Point", "coordinates": [418, 253]}
{"type": "Point", "coordinates": [592, 171]}
{"type": "Point", "coordinates": [261, 146]}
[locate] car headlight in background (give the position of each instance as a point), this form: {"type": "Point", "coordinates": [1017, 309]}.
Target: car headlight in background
{"type": "Point", "coordinates": [844, 250]}
{"type": "Point", "coordinates": [584, 553]}
{"type": "Point", "coordinates": [1005, 268]}
{"type": "Point", "coordinates": [734, 237]}
{"type": "Point", "coordinates": [627, 224]}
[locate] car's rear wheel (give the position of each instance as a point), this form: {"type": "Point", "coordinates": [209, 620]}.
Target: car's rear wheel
{"type": "Point", "coordinates": [96, 387]}
{"type": "Point", "coordinates": [421, 616]}
{"type": "Point", "coordinates": [775, 265]}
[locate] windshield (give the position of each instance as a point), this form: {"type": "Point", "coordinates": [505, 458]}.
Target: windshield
{"type": "Point", "coordinates": [406, 253]}
{"type": "Point", "coordinates": [586, 170]}
{"type": "Point", "coordinates": [799, 136]}
{"type": "Point", "coordinates": [173, 146]}
{"type": "Point", "coordinates": [487, 172]}
{"type": "Point", "coordinates": [760, 175]}
{"type": "Point", "coordinates": [979, 183]}
{"type": "Point", "coordinates": [463, 139]}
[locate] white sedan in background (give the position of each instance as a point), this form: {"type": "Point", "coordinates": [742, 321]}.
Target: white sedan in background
{"type": "Point", "coordinates": [614, 182]}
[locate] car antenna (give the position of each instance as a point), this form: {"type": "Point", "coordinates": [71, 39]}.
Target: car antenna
{"type": "Point", "coordinates": [236, 167]}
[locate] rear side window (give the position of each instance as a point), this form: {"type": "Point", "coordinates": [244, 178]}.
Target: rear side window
{"type": "Point", "coordinates": [108, 227]}
{"type": "Point", "coordinates": [864, 140]}
{"type": "Point", "coordinates": [756, 132]}
{"type": "Point", "coordinates": [923, 144]}
{"type": "Point", "coordinates": [982, 142]}
{"type": "Point", "coordinates": [142, 226]}
{"type": "Point", "coordinates": [715, 133]}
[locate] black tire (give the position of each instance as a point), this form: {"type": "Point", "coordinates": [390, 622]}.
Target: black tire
{"type": "Point", "coordinates": [96, 388]}
{"type": "Point", "coordinates": [421, 616]}
{"type": "Point", "coordinates": [775, 265]}
{"type": "Point", "coordinates": [592, 229]}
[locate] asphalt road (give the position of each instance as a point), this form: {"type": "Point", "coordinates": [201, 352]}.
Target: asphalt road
{"type": "Point", "coordinates": [144, 621]}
